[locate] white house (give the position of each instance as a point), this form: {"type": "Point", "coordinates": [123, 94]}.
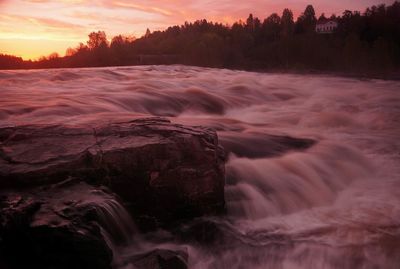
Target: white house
{"type": "Point", "coordinates": [326, 26]}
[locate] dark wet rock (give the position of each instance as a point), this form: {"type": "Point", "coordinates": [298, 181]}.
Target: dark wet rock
{"type": "Point", "coordinates": [163, 172]}
{"type": "Point", "coordinates": [161, 259]}
{"type": "Point", "coordinates": [201, 231]}
{"type": "Point", "coordinates": [53, 228]}
{"type": "Point", "coordinates": [209, 234]}
{"type": "Point", "coordinates": [259, 145]}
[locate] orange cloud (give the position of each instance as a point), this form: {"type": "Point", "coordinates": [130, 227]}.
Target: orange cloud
{"type": "Point", "coordinates": [26, 24]}
{"type": "Point", "coordinates": [144, 8]}
{"type": "Point", "coordinates": [54, 24]}
{"type": "Point", "coordinates": [62, 1]}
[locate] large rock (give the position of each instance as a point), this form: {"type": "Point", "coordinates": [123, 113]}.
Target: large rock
{"type": "Point", "coordinates": [164, 172]}
{"type": "Point", "coordinates": [56, 227]}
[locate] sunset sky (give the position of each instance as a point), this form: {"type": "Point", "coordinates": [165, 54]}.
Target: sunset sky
{"type": "Point", "coordinates": [32, 28]}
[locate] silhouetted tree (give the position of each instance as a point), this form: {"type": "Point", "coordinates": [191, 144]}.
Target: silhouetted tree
{"type": "Point", "coordinates": [10, 62]}
{"type": "Point", "coordinates": [97, 40]}
{"type": "Point", "coordinates": [306, 21]}
{"type": "Point", "coordinates": [287, 23]}
{"type": "Point", "coordinates": [322, 17]}
{"type": "Point", "coordinates": [272, 27]}
{"type": "Point", "coordinates": [148, 33]}
{"type": "Point", "coordinates": [53, 55]}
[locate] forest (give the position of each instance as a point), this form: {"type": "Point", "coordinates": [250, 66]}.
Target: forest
{"type": "Point", "coordinates": [367, 42]}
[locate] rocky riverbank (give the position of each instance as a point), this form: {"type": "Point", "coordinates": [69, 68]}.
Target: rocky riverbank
{"type": "Point", "coordinates": [61, 187]}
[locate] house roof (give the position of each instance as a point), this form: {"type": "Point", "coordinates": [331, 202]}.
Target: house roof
{"type": "Point", "coordinates": [325, 21]}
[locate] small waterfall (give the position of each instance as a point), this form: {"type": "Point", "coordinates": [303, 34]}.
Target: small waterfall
{"type": "Point", "coordinates": [116, 222]}
{"type": "Point", "coordinates": [117, 227]}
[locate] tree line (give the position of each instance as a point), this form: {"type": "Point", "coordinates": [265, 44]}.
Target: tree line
{"type": "Point", "coordinates": [362, 42]}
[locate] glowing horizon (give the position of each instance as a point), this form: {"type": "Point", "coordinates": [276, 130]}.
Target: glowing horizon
{"type": "Point", "coordinates": [34, 28]}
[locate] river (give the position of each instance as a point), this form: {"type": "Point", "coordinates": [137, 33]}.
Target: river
{"type": "Point", "coordinates": [334, 205]}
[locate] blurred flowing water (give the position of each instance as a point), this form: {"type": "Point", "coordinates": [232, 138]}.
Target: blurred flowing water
{"type": "Point", "coordinates": [334, 205]}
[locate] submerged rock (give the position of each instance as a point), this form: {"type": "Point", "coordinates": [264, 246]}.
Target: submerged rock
{"type": "Point", "coordinates": [164, 172]}
{"type": "Point", "coordinates": [259, 145]}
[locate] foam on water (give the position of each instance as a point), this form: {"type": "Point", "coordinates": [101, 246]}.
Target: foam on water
{"type": "Point", "coordinates": [334, 205]}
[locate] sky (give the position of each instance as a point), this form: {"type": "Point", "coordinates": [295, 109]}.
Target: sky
{"type": "Point", "coordinates": [34, 28]}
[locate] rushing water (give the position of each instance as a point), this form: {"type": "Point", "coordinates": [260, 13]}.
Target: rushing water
{"type": "Point", "coordinates": [335, 205]}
